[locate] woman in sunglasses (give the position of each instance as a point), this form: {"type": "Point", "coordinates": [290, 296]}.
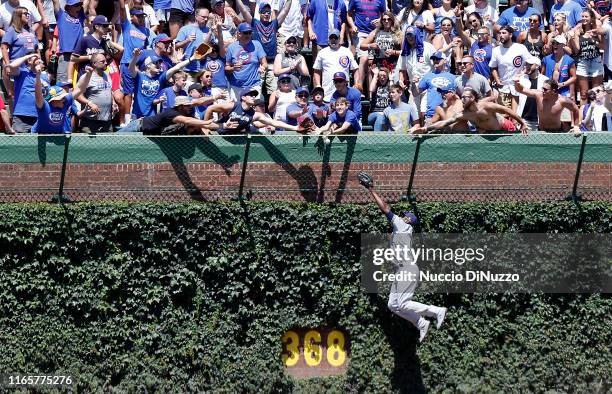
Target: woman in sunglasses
{"type": "Point", "coordinates": [534, 38]}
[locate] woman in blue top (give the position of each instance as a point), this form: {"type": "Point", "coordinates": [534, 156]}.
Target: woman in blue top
{"type": "Point", "coordinates": [53, 110]}
{"type": "Point", "coordinates": [18, 40]}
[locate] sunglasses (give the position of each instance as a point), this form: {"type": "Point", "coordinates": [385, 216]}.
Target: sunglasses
{"type": "Point", "coordinates": [252, 94]}
{"type": "Point", "coordinates": [465, 63]}
{"type": "Point", "coordinates": [290, 42]}
{"type": "Point", "coordinates": [303, 96]}
{"type": "Point", "coordinates": [285, 81]}
{"type": "Point", "coordinates": [466, 97]}
{"type": "Point", "coordinates": [247, 33]}
{"type": "Point", "coordinates": [534, 20]}
{"type": "Point", "coordinates": [386, 19]}
{"type": "Point", "coordinates": [266, 12]}
{"type": "Point", "coordinates": [339, 81]}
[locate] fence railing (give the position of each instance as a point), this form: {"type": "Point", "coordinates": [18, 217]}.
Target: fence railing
{"type": "Point", "coordinates": [433, 167]}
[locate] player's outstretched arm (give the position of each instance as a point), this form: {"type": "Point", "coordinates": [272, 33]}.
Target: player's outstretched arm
{"type": "Point", "coordinates": [366, 181]}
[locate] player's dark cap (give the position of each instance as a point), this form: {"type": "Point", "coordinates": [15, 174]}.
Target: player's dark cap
{"type": "Point", "coordinates": [412, 217]}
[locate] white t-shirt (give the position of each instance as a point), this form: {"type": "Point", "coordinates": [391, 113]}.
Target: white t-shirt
{"type": "Point", "coordinates": [417, 67]}
{"type": "Point", "coordinates": [331, 62]}
{"type": "Point", "coordinates": [607, 58]}
{"type": "Point", "coordinates": [282, 103]}
{"type": "Point", "coordinates": [6, 13]}
{"type": "Point", "coordinates": [292, 25]}
{"type": "Point", "coordinates": [508, 61]}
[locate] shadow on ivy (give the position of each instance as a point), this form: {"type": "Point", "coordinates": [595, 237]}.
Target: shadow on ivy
{"type": "Point", "coordinates": [350, 150]}
{"type": "Point", "coordinates": [406, 377]}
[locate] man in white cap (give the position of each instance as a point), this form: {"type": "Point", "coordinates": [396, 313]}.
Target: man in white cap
{"type": "Point", "coordinates": [531, 79]}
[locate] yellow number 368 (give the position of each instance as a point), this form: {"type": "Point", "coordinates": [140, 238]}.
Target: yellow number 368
{"type": "Point", "coordinates": [314, 350]}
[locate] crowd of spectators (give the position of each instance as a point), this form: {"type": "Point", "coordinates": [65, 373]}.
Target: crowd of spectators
{"type": "Point", "coordinates": [419, 66]}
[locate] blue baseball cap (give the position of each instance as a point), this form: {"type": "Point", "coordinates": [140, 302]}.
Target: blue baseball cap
{"type": "Point", "coordinates": [136, 11]}
{"type": "Point", "coordinates": [284, 76]}
{"type": "Point", "coordinates": [74, 2]}
{"type": "Point", "coordinates": [339, 76]}
{"type": "Point", "coordinates": [445, 89]}
{"type": "Point", "coordinates": [244, 27]}
{"type": "Point", "coordinates": [302, 89]}
{"type": "Point", "coordinates": [263, 5]}
{"type": "Point", "coordinates": [100, 20]}
{"type": "Point", "coordinates": [163, 37]}
{"type": "Point", "coordinates": [152, 59]}
{"type": "Point", "coordinates": [55, 93]}
{"type": "Point", "coordinates": [411, 30]}
{"type": "Point", "coordinates": [438, 55]}
{"type": "Point", "coordinates": [412, 217]}
{"type": "Point", "coordinates": [249, 90]}
{"type": "Point", "coordinates": [334, 32]}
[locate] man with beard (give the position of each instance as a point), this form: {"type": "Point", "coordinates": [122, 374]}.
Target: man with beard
{"type": "Point", "coordinates": [550, 105]}
{"type": "Point", "coordinates": [479, 114]}
{"type": "Point", "coordinates": [506, 61]}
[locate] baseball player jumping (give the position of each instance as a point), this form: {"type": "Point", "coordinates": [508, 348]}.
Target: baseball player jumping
{"type": "Point", "coordinates": [400, 297]}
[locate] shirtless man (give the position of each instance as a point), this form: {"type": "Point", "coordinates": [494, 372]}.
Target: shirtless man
{"type": "Point", "coordinates": [452, 106]}
{"type": "Point", "coordinates": [479, 114]}
{"type": "Point", "coordinates": [550, 105]}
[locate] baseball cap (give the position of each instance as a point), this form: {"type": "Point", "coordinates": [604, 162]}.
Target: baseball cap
{"type": "Point", "coordinates": [410, 30]}
{"type": "Point", "coordinates": [445, 89]}
{"type": "Point", "coordinates": [195, 86]}
{"type": "Point", "coordinates": [339, 76]}
{"type": "Point", "coordinates": [263, 5]}
{"type": "Point", "coordinates": [247, 91]}
{"type": "Point", "coordinates": [334, 32]}
{"type": "Point", "coordinates": [533, 60]}
{"type": "Point", "coordinates": [73, 2]}
{"type": "Point", "coordinates": [244, 27]}
{"type": "Point", "coordinates": [218, 2]}
{"type": "Point", "coordinates": [316, 90]}
{"type": "Point", "coordinates": [302, 89]}
{"type": "Point", "coordinates": [136, 11]}
{"type": "Point", "coordinates": [560, 39]}
{"type": "Point", "coordinates": [163, 37]}
{"type": "Point", "coordinates": [100, 20]}
{"type": "Point", "coordinates": [412, 217]}
{"type": "Point", "coordinates": [438, 55]}
{"type": "Point", "coordinates": [152, 59]}
{"type": "Point", "coordinates": [182, 100]}
{"type": "Point", "coordinates": [284, 76]}
{"type": "Point", "coordinates": [56, 93]}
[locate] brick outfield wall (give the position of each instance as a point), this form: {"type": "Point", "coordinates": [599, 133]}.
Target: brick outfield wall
{"type": "Point", "coordinates": [304, 181]}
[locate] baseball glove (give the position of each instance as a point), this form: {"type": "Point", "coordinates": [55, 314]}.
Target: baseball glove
{"type": "Point", "coordinates": [305, 125]}
{"type": "Point", "coordinates": [365, 179]}
{"type": "Point", "coordinates": [201, 51]}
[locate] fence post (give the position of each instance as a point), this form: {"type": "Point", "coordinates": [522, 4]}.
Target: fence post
{"type": "Point", "coordinates": [245, 163]}
{"type": "Point", "coordinates": [59, 198]}
{"type": "Point", "coordinates": [574, 197]}
{"type": "Point", "coordinates": [409, 196]}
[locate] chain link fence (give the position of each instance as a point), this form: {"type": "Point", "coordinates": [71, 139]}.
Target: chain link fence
{"type": "Point", "coordinates": [306, 168]}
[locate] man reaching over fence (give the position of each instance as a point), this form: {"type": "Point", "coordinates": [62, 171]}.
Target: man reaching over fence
{"type": "Point", "coordinates": [400, 297]}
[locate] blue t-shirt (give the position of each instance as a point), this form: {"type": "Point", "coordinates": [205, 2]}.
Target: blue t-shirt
{"type": "Point", "coordinates": [482, 57]}
{"type": "Point", "coordinates": [54, 120]}
{"type": "Point", "coordinates": [317, 11]}
{"type": "Point", "coordinates": [432, 81]}
{"type": "Point", "coordinates": [265, 33]}
{"type": "Point", "coordinates": [216, 67]}
{"type": "Point", "coordinates": [70, 30]}
{"type": "Point", "coordinates": [162, 4]}
{"type": "Point", "coordinates": [170, 96]}
{"type": "Point", "coordinates": [564, 75]}
{"type": "Point", "coordinates": [353, 96]}
{"type": "Point", "coordinates": [20, 44]}
{"type": "Point", "coordinates": [250, 55]}
{"type": "Point", "coordinates": [571, 10]}
{"type": "Point", "coordinates": [365, 11]}
{"type": "Point", "coordinates": [25, 101]}
{"type": "Point", "coordinates": [133, 37]}
{"type": "Point", "coordinates": [312, 110]}
{"type": "Point", "coordinates": [349, 117]}
{"type": "Point", "coordinates": [520, 21]}
{"type": "Point", "coordinates": [188, 50]}
{"type": "Point", "coordinates": [146, 90]}
{"type": "Point", "coordinates": [187, 6]}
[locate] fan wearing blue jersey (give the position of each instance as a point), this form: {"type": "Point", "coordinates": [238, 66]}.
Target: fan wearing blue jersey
{"type": "Point", "coordinates": [53, 110]}
{"type": "Point", "coordinates": [150, 82]}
